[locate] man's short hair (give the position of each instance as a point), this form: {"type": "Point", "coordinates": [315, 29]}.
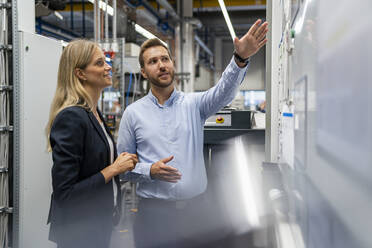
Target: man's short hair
{"type": "Point", "coordinates": [150, 43]}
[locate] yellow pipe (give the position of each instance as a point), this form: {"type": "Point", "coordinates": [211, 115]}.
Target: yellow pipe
{"type": "Point", "coordinates": [79, 7]}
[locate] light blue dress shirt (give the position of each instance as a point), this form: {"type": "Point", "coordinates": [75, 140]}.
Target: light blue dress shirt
{"type": "Point", "coordinates": [155, 131]}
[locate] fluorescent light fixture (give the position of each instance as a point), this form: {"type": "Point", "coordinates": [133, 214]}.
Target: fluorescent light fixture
{"type": "Point", "coordinates": [64, 43]}
{"type": "Point", "coordinates": [57, 14]}
{"type": "Point", "coordinates": [227, 18]}
{"type": "Point", "coordinates": [102, 5]}
{"type": "Point", "coordinates": [146, 33]}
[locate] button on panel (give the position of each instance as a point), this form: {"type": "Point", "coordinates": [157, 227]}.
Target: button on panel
{"type": "Point", "coordinates": [219, 120]}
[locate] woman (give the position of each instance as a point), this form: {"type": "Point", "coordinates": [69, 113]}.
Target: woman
{"type": "Point", "coordinates": [85, 167]}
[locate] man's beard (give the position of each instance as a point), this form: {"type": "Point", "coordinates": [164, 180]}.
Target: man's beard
{"type": "Point", "coordinates": [159, 84]}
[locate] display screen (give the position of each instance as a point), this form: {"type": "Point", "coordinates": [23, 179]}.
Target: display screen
{"type": "Point", "coordinates": [253, 97]}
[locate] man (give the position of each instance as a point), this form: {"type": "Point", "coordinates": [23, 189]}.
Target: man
{"type": "Point", "coordinates": [165, 129]}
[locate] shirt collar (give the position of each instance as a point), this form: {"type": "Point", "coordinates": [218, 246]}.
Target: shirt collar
{"type": "Point", "coordinates": [168, 102]}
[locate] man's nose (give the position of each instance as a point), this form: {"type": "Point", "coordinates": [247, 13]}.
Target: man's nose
{"type": "Point", "coordinates": [161, 64]}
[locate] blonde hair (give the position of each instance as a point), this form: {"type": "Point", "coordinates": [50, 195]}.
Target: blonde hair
{"type": "Point", "coordinates": [70, 91]}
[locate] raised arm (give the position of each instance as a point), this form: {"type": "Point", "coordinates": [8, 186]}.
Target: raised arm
{"type": "Point", "coordinates": [225, 90]}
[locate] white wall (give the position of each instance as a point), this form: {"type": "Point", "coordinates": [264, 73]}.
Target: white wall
{"type": "Point", "coordinates": [255, 77]}
{"type": "Point", "coordinates": [218, 59]}
{"type": "Point", "coordinates": [274, 18]}
{"type": "Point", "coordinates": [38, 76]}
{"type": "Point", "coordinates": [26, 15]}
{"type": "Point", "coordinates": [329, 181]}
{"type": "Point", "coordinates": [205, 79]}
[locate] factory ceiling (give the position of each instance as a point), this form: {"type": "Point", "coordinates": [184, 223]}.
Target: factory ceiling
{"type": "Point", "coordinates": [76, 19]}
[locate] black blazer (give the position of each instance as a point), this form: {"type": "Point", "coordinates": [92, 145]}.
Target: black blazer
{"type": "Point", "coordinates": [82, 204]}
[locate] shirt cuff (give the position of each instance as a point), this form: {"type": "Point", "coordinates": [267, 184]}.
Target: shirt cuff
{"type": "Point", "coordinates": [144, 170]}
{"type": "Point", "coordinates": [241, 70]}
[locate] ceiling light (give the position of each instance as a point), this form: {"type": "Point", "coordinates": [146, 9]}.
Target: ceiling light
{"type": "Point", "coordinates": [57, 14]}
{"type": "Point", "coordinates": [64, 43]}
{"type": "Point", "coordinates": [227, 18]}
{"type": "Point", "coordinates": [146, 33]}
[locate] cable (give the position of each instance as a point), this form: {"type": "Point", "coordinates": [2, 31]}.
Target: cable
{"type": "Point", "coordinates": [4, 136]}
{"type": "Point", "coordinates": [129, 86]}
{"type": "Point", "coordinates": [135, 85]}
{"type": "Point", "coordinates": [132, 73]}
{"type": "Point", "coordinates": [4, 151]}
{"type": "Point", "coordinates": [4, 202]}
{"type": "Point", "coordinates": [2, 67]}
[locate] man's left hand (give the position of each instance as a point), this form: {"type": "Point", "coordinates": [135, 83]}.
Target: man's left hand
{"type": "Point", "coordinates": [252, 41]}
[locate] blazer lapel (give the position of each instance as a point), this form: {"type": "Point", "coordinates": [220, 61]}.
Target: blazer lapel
{"type": "Point", "coordinates": [100, 132]}
{"type": "Point", "coordinates": [109, 133]}
{"type": "Point", "coordinates": [116, 178]}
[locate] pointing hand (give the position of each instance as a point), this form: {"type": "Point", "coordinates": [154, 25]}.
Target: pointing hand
{"type": "Point", "coordinates": [252, 41]}
{"type": "Point", "coordinates": [160, 170]}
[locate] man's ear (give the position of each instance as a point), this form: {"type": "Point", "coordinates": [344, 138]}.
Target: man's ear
{"type": "Point", "coordinates": [143, 73]}
{"type": "Point", "coordinates": [79, 73]}
{"type": "Point", "coordinates": [174, 62]}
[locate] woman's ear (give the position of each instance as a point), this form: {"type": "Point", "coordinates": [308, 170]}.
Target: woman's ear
{"type": "Point", "coordinates": [79, 73]}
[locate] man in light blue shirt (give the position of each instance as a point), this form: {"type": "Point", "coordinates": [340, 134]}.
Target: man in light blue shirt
{"type": "Point", "coordinates": [165, 129]}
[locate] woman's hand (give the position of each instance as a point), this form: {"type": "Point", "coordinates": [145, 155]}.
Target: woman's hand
{"type": "Point", "coordinates": [123, 163]}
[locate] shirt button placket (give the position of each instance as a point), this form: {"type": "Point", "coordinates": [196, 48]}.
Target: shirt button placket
{"type": "Point", "coordinates": [168, 125]}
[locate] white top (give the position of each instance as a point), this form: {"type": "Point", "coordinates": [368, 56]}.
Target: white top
{"type": "Point", "coordinates": [111, 144]}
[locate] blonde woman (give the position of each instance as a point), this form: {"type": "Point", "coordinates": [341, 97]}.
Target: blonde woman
{"type": "Point", "coordinates": [86, 189]}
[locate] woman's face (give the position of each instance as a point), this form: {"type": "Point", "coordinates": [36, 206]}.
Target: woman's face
{"type": "Point", "coordinates": [98, 72]}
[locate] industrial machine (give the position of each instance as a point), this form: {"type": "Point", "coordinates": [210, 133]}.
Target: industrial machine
{"type": "Point", "coordinates": [226, 124]}
{"type": "Point", "coordinates": [233, 154]}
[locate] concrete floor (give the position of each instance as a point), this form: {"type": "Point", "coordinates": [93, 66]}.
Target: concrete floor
{"type": "Point", "coordinates": [122, 235]}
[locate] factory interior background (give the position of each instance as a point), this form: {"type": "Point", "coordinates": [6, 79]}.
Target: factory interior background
{"type": "Point", "coordinates": [289, 161]}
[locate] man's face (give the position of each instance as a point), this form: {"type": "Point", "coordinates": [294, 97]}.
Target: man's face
{"type": "Point", "coordinates": [158, 67]}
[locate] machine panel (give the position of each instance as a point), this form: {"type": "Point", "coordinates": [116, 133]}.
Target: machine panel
{"type": "Point", "coordinates": [328, 190]}
{"type": "Point", "coordinates": [38, 73]}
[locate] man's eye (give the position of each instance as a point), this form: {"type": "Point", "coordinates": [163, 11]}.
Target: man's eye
{"type": "Point", "coordinates": [165, 59]}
